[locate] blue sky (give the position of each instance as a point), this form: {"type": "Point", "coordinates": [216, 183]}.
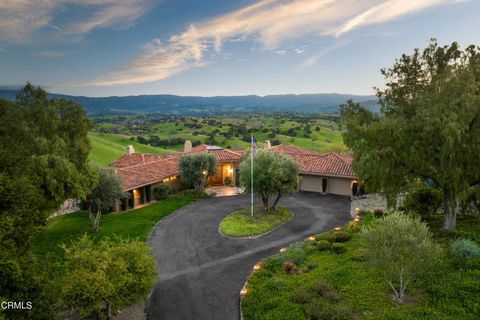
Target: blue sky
{"type": "Point", "coordinates": [219, 47]}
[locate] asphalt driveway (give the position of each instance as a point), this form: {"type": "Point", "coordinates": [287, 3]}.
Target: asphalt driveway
{"type": "Point", "coordinates": [202, 272]}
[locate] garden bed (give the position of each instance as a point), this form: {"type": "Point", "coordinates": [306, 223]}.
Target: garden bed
{"type": "Point", "coordinates": [242, 224]}
{"type": "Point", "coordinates": [325, 277]}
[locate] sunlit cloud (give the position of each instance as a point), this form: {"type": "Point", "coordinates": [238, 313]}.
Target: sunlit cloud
{"type": "Point", "coordinates": [22, 20]}
{"type": "Point", "coordinates": [271, 23]}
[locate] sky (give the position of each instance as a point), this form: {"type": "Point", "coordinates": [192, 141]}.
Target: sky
{"type": "Point", "coordinates": [220, 47]}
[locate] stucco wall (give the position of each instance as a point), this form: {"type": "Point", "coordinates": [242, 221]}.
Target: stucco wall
{"type": "Point", "coordinates": [340, 186]}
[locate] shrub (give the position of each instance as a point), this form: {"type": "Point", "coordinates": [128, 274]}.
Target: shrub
{"type": "Point", "coordinates": [399, 248]}
{"type": "Point", "coordinates": [424, 200]}
{"type": "Point", "coordinates": [161, 192]}
{"type": "Point", "coordinates": [302, 296]}
{"type": "Point", "coordinates": [296, 256]}
{"type": "Point", "coordinates": [464, 248]}
{"type": "Point", "coordinates": [228, 181]}
{"type": "Point", "coordinates": [289, 267]}
{"type": "Point", "coordinates": [342, 236]}
{"type": "Point", "coordinates": [323, 245]}
{"type": "Point", "coordinates": [325, 236]}
{"type": "Point", "coordinates": [338, 248]}
{"type": "Point", "coordinates": [352, 226]}
{"type": "Point", "coordinates": [378, 213]}
{"type": "Point", "coordinates": [325, 290]}
{"type": "Point", "coordinates": [466, 253]}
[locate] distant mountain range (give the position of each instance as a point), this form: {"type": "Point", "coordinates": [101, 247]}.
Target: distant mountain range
{"type": "Point", "coordinates": [171, 104]}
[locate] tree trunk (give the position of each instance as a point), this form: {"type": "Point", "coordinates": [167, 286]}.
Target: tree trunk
{"type": "Point", "coordinates": [108, 312]}
{"type": "Point", "coordinates": [450, 205]}
{"type": "Point", "coordinates": [96, 222]}
{"type": "Point", "coordinates": [279, 195]}
{"type": "Point", "coordinates": [265, 201]}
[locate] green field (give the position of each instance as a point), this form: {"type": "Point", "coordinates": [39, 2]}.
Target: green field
{"type": "Point", "coordinates": [165, 134]}
{"type": "Point", "coordinates": [108, 147]}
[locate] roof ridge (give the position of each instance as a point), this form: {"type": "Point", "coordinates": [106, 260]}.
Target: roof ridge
{"type": "Point", "coordinates": [142, 164]}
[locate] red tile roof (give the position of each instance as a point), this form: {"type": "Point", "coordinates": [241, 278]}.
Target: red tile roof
{"type": "Point", "coordinates": [140, 169]}
{"type": "Point", "coordinates": [148, 173]}
{"type": "Point", "coordinates": [313, 162]}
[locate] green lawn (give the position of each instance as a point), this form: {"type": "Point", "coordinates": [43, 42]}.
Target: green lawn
{"type": "Point", "coordinates": [131, 224]}
{"type": "Point", "coordinates": [242, 224]}
{"type": "Point", "coordinates": [108, 147]}
{"type": "Point", "coordinates": [327, 285]}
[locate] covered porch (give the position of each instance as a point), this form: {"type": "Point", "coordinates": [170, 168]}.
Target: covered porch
{"type": "Point", "coordinates": [225, 175]}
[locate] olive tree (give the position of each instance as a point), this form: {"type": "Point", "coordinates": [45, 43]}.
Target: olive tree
{"type": "Point", "coordinates": [400, 249]}
{"type": "Point", "coordinates": [196, 168]}
{"type": "Point", "coordinates": [105, 276]}
{"type": "Point", "coordinates": [274, 175]}
{"type": "Point", "coordinates": [428, 128]}
{"type": "Point", "coordinates": [104, 196]}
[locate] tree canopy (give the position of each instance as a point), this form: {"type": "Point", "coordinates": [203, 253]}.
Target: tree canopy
{"type": "Point", "coordinates": [102, 277]}
{"type": "Point", "coordinates": [43, 161]}
{"type": "Point", "coordinates": [274, 175]}
{"type": "Point", "coordinates": [196, 168]}
{"type": "Point", "coordinates": [103, 197]}
{"type": "Point", "coordinates": [428, 129]}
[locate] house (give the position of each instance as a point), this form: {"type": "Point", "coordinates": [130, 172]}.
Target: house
{"type": "Point", "coordinates": [325, 173]}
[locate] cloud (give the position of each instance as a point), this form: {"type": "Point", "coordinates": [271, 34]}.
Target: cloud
{"type": "Point", "coordinates": [269, 22]}
{"type": "Point", "coordinates": [48, 54]}
{"type": "Point", "coordinates": [299, 50]}
{"type": "Point", "coordinates": [280, 52]}
{"type": "Point", "coordinates": [22, 20]}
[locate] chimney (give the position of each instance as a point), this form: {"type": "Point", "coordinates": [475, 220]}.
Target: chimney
{"type": "Point", "coordinates": [129, 150]}
{"type": "Point", "coordinates": [187, 147]}
{"type": "Point", "coordinates": [267, 145]}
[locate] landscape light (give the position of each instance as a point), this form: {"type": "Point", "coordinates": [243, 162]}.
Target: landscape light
{"type": "Point", "coordinates": [283, 249]}
{"type": "Point", "coordinates": [357, 209]}
{"type": "Point", "coordinates": [337, 228]}
{"type": "Point", "coordinates": [204, 172]}
{"type": "Point", "coordinates": [257, 267]}
{"type": "Point", "coordinates": [243, 292]}
{"type": "Point", "coordinates": [357, 219]}
{"type": "Point", "coordinates": [311, 238]}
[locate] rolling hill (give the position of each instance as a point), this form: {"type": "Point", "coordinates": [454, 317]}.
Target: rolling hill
{"type": "Point", "coordinates": [194, 105]}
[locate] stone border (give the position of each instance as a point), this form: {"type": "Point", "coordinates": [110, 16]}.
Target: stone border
{"type": "Point", "coordinates": [255, 236]}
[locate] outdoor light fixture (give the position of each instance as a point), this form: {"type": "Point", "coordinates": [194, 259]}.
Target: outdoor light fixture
{"type": "Point", "coordinates": [311, 238]}
{"type": "Point", "coordinates": [357, 219]}
{"type": "Point", "coordinates": [257, 267]}
{"type": "Point", "coordinates": [243, 292]}
{"type": "Point", "coordinates": [283, 249]}
{"type": "Point", "coordinates": [357, 209]}
{"type": "Point", "coordinates": [204, 172]}
{"type": "Point", "coordinates": [337, 228]}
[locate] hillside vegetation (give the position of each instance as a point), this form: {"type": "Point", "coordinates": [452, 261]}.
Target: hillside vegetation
{"type": "Point", "coordinates": [165, 134]}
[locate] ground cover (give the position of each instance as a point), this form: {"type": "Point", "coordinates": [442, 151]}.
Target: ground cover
{"type": "Point", "coordinates": [242, 224]}
{"type": "Point", "coordinates": [325, 277]}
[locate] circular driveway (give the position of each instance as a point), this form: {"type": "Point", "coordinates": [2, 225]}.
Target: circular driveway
{"type": "Point", "coordinates": [201, 272]}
